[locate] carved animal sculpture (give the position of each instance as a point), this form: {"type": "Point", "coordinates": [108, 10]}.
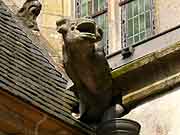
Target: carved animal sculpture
{"type": "Point", "coordinates": [29, 13]}
{"type": "Point", "coordinates": [87, 67]}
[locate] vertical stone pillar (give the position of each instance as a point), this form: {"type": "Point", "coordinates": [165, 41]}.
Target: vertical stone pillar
{"type": "Point", "coordinates": [114, 23]}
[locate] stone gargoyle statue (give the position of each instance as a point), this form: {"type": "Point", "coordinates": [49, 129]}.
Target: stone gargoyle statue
{"type": "Point", "coordinates": [29, 13]}
{"type": "Point", "coordinates": [87, 67]}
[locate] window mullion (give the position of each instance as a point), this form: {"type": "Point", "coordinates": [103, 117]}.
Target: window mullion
{"type": "Point", "coordinates": [89, 7]}
{"type": "Point", "coordinates": [78, 8]}
{"type": "Point", "coordinates": [139, 18]}
{"type": "Point", "coordinates": [153, 17]}
{"type": "Point", "coordinates": [133, 21]}
{"type": "Point", "coordinates": [124, 26]}
{"type": "Point", "coordinates": [145, 27]}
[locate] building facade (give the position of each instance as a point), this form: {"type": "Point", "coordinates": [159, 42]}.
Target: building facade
{"type": "Point", "coordinates": [123, 24]}
{"type": "Point", "coordinates": [142, 46]}
{"type": "Point", "coordinates": [126, 24]}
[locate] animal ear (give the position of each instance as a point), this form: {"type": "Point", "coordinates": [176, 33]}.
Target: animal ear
{"type": "Point", "coordinates": [99, 34]}
{"type": "Point", "coordinates": [62, 25]}
{"type": "Point", "coordinates": [20, 12]}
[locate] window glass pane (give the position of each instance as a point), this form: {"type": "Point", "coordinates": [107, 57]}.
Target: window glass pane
{"type": "Point", "coordinates": [84, 7]}
{"type": "Point", "coordinates": [136, 38]}
{"type": "Point", "coordinates": [130, 11]}
{"type": "Point", "coordinates": [102, 22]}
{"type": "Point", "coordinates": [136, 25]}
{"type": "Point", "coordinates": [95, 6]}
{"type": "Point", "coordinates": [142, 36]}
{"type": "Point", "coordinates": [147, 4]}
{"type": "Point", "coordinates": [130, 41]}
{"type": "Point", "coordinates": [141, 8]}
{"type": "Point", "coordinates": [135, 6]}
{"type": "Point", "coordinates": [130, 27]}
{"type": "Point", "coordinates": [148, 32]}
{"type": "Point", "coordinates": [101, 4]}
{"type": "Point", "coordinates": [147, 20]}
{"type": "Point", "coordinates": [142, 22]}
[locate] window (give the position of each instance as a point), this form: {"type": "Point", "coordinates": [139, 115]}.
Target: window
{"type": "Point", "coordinates": [137, 21]}
{"type": "Point", "coordinates": [99, 5]}
{"type": "Point", "coordinates": [102, 22]}
{"type": "Point", "coordinates": [97, 9]}
{"type": "Point", "coordinates": [84, 7]}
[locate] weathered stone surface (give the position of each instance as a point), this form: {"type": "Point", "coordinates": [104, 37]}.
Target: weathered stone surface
{"type": "Point", "coordinates": [148, 69]}
{"type": "Point", "coordinates": [86, 65]}
{"type": "Point", "coordinates": [29, 13]}
{"type": "Point", "coordinates": [159, 116]}
{"type": "Point", "coordinates": [165, 11]}
{"type": "Point", "coordinates": [137, 97]}
{"type": "Point", "coordinates": [145, 60]}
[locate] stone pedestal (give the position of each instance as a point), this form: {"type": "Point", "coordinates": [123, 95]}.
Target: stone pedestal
{"type": "Point", "coordinates": [118, 127]}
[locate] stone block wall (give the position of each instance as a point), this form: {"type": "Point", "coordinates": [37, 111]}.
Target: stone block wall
{"type": "Point", "coordinates": [159, 116]}
{"type": "Point", "coordinates": [167, 14]}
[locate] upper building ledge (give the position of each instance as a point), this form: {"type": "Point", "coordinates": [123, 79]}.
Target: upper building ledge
{"type": "Point", "coordinates": [149, 75]}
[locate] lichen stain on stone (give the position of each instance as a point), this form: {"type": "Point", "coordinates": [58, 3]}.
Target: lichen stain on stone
{"type": "Point", "coordinates": [145, 60]}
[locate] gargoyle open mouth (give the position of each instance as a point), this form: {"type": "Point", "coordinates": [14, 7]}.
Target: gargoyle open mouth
{"type": "Point", "coordinates": [87, 29]}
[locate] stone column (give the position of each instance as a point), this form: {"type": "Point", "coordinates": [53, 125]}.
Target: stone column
{"type": "Point", "coordinates": [114, 25]}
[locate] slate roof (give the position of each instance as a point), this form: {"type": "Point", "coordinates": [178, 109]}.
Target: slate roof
{"type": "Point", "coordinates": [27, 74]}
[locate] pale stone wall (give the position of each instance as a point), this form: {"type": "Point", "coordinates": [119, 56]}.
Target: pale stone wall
{"type": "Point", "coordinates": [53, 10]}
{"type": "Point", "coordinates": [159, 116]}
{"type": "Point", "coordinates": [114, 20]}
{"type": "Point", "coordinates": [167, 14]}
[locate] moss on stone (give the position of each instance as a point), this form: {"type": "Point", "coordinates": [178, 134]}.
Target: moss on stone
{"type": "Point", "coordinates": [145, 60]}
{"type": "Point", "coordinates": [133, 65]}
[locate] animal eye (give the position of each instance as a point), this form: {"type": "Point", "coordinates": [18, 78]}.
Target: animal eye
{"type": "Point", "coordinates": [72, 28]}
{"type": "Point", "coordinates": [100, 31]}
